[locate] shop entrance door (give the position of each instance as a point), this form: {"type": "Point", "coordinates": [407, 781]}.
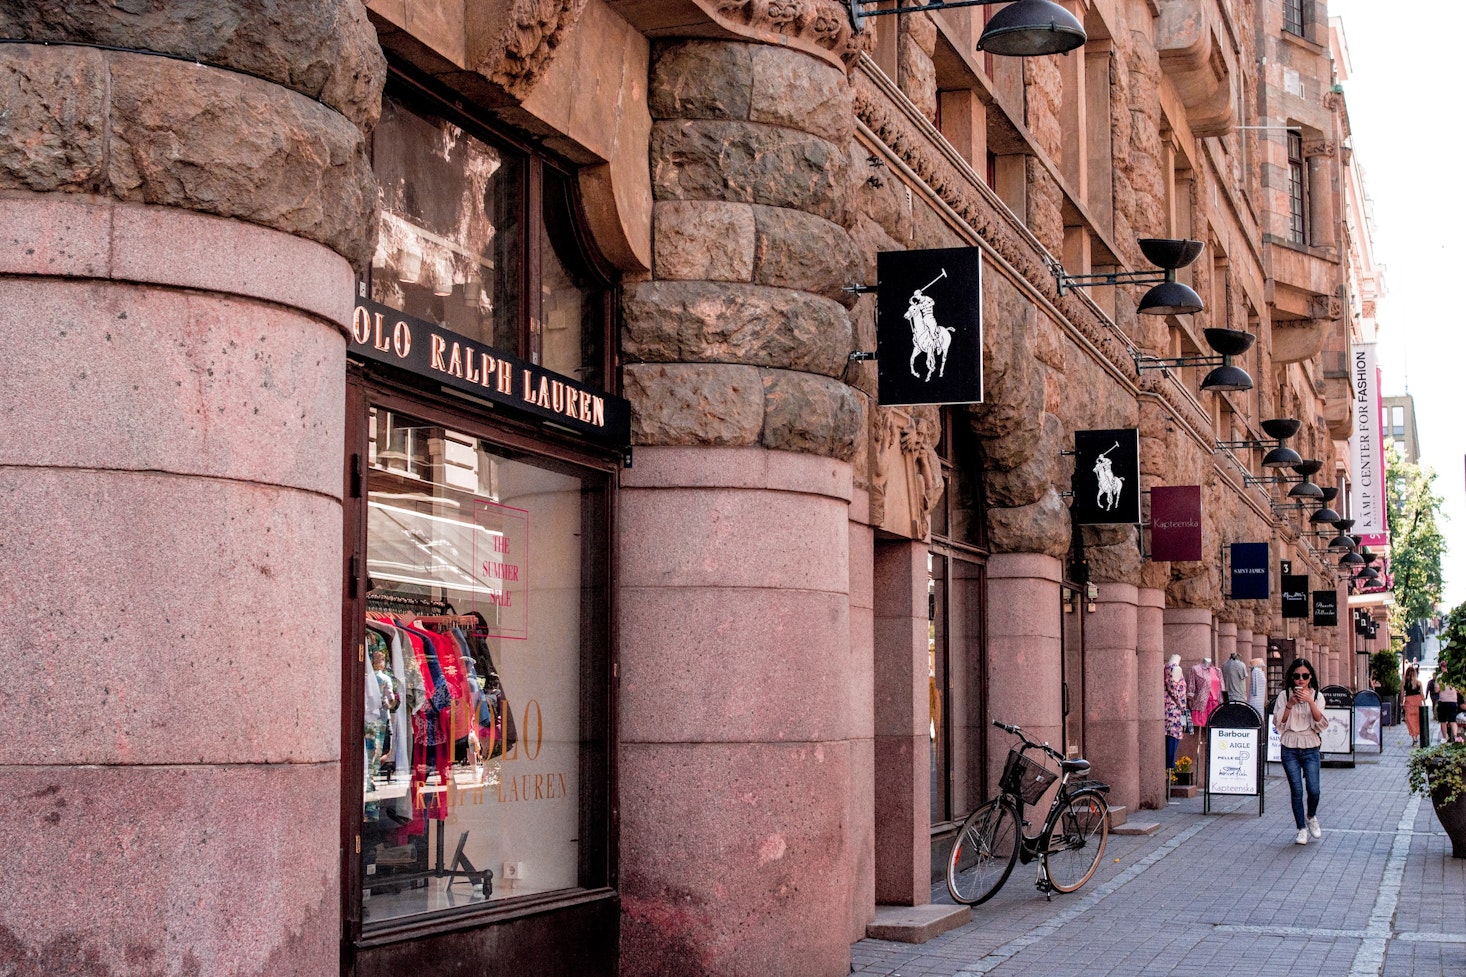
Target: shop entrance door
{"type": "Point", "coordinates": [1072, 699]}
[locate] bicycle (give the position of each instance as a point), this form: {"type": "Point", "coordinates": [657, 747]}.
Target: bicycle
{"type": "Point", "coordinates": [1069, 845]}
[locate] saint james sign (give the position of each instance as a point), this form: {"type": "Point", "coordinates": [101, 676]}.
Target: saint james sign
{"type": "Point", "coordinates": [1106, 477]}
{"type": "Point", "coordinates": [1250, 571]}
{"type": "Point", "coordinates": [381, 333]}
{"type": "Point", "coordinates": [929, 326]}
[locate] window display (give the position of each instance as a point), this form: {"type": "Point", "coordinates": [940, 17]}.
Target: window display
{"type": "Point", "coordinates": [483, 567]}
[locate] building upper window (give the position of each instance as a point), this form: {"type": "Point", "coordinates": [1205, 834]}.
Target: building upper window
{"type": "Point", "coordinates": [1297, 191]}
{"type": "Point", "coordinates": [461, 215]}
{"type": "Point", "coordinates": [1293, 17]}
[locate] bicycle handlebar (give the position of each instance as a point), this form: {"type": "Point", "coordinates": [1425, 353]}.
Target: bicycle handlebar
{"type": "Point", "coordinates": [1018, 732]}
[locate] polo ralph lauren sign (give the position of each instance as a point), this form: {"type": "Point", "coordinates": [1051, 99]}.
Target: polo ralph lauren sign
{"type": "Point", "coordinates": [381, 333]}
{"type": "Point", "coordinates": [1106, 477]}
{"type": "Point", "coordinates": [929, 326]}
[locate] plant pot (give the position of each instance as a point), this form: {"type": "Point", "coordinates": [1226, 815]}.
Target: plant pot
{"type": "Point", "coordinates": [1184, 779]}
{"type": "Point", "coordinates": [1452, 817]}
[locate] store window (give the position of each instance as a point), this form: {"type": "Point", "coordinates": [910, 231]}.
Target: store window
{"type": "Point", "coordinates": [483, 569]}
{"type": "Point", "coordinates": [956, 607]}
{"type": "Point", "coordinates": [1293, 17]}
{"type": "Point", "coordinates": [482, 443]}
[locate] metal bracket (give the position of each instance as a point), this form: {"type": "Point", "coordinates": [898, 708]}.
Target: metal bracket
{"type": "Point", "coordinates": [626, 456]}
{"type": "Point", "coordinates": [862, 354]}
{"type": "Point", "coordinates": [1067, 281]}
{"type": "Point", "coordinates": [862, 289]}
{"type": "Point", "coordinates": [861, 9]}
{"type": "Point", "coordinates": [1172, 362]}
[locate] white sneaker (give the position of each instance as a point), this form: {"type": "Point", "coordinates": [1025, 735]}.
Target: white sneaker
{"type": "Point", "coordinates": [1314, 829]}
{"type": "Point", "coordinates": [1302, 838]}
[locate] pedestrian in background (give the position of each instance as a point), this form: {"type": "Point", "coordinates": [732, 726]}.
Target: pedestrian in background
{"type": "Point", "coordinates": [1299, 718]}
{"type": "Point", "coordinates": [1447, 707]}
{"type": "Point", "coordinates": [1414, 695]}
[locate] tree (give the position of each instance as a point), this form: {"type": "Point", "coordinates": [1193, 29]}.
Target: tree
{"type": "Point", "coordinates": [1416, 542]}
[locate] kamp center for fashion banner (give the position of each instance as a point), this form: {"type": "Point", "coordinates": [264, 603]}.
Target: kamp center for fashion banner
{"type": "Point", "coordinates": [1366, 449]}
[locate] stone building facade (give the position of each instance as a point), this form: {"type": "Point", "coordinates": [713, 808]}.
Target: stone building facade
{"type": "Point", "coordinates": [750, 664]}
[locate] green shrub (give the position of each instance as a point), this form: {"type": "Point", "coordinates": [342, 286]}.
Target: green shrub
{"type": "Point", "coordinates": [1384, 668]}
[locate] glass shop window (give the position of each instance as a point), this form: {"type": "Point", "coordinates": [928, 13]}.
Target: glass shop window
{"type": "Point", "coordinates": [484, 608]}
{"type": "Point", "coordinates": [463, 219]}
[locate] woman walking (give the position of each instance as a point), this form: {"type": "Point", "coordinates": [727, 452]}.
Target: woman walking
{"type": "Point", "coordinates": [1299, 718]}
{"type": "Point", "coordinates": [1447, 707]}
{"type": "Point", "coordinates": [1414, 695]}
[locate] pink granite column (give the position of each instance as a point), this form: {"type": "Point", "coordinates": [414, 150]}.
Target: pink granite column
{"type": "Point", "coordinates": [1150, 688]}
{"type": "Point", "coordinates": [902, 721]}
{"type": "Point", "coordinates": [1025, 652]}
{"type": "Point", "coordinates": [745, 703]}
{"type": "Point", "coordinates": [862, 830]}
{"type": "Point", "coordinates": [175, 286]}
{"type": "Point", "coordinates": [740, 702]}
{"type": "Point", "coordinates": [1111, 693]}
{"type": "Point", "coordinates": [1188, 633]}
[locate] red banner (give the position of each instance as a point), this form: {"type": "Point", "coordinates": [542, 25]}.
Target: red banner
{"type": "Point", "coordinates": [1175, 522]}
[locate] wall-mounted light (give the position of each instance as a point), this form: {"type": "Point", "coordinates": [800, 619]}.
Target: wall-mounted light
{"type": "Point", "coordinates": [1020, 30]}
{"type": "Point", "coordinates": [1278, 429]}
{"type": "Point", "coordinates": [1166, 296]}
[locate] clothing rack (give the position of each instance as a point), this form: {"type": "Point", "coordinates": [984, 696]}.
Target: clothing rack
{"type": "Point", "coordinates": [396, 600]}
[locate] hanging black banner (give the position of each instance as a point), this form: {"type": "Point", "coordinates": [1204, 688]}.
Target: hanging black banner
{"type": "Point", "coordinates": [1106, 477]}
{"type": "Point", "coordinates": [1295, 595]}
{"type": "Point", "coordinates": [929, 326]}
{"type": "Point", "coordinates": [1326, 607]}
{"type": "Point", "coordinates": [1250, 571]}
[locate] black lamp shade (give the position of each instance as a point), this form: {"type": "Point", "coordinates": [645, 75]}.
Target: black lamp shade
{"type": "Point", "coordinates": [1168, 298]}
{"type": "Point", "coordinates": [1229, 342]}
{"type": "Point", "coordinates": [1351, 559]}
{"type": "Point", "coordinates": [1340, 543]}
{"type": "Point", "coordinates": [1281, 427]}
{"type": "Point", "coordinates": [1169, 253]}
{"type": "Point", "coordinates": [1031, 27]}
{"type": "Point", "coordinates": [1330, 493]}
{"type": "Point", "coordinates": [1369, 573]}
{"type": "Point", "coordinates": [1308, 467]}
{"type": "Point", "coordinates": [1345, 525]}
{"type": "Point", "coordinates": [1226, 377]}
{"type": "Point", "coordinates": [1281, 457]}
{"type": "Point", "coordinates": [1324, 515]}
{"type": "Point", "coordinates": [1305, 490]}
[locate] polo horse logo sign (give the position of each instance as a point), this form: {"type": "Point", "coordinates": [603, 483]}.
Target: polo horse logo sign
{"type": "Point", "coordinates": [929, 326]}
{"type": "Point", "coordinates": [1106, 477]}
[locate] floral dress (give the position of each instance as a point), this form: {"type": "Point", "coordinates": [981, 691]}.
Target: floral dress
{"type": "Point", "coordinates": [1175, 702]}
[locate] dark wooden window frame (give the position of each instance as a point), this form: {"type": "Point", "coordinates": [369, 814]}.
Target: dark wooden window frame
{"type": "Point", "coordinates": [1297, 190]}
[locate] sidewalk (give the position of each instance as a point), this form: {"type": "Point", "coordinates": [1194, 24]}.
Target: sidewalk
{"type": "Point", "coordinates": [1227, 893]}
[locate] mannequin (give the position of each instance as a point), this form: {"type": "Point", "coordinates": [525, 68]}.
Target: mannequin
{"type": "Point", "coordinates": [1214, 693]}
{"type": "Point", "coordinates": [1234, 679]}
{"type": "Point", "coordinates": [1175, 694]}
{"type": "Point", "coordinates": [1198, 691]}
{"type": "Point", "coordinates": [1257, 686]}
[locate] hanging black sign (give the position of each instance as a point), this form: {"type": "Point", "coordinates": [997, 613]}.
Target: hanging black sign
{"type": "Point", "coordinates": [1106, 477]}
{"type": "Point", "coordinates": [1326, 607]}
{"type": "Point", "coordinates": [1250, 571]}
{"type": "Point", "coordinates": [1295, 595]}
{"type": "Point", "coordinates": [929, 326]}
{"type": "Point", "coordinates": [381, 333]}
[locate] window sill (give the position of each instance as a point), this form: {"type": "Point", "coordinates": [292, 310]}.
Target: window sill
{"type": "Point", "coordinates": [486, 914]}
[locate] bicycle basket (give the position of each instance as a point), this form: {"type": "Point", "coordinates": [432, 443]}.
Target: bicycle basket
{"type": "Point", "coordinates": [1025, 777]}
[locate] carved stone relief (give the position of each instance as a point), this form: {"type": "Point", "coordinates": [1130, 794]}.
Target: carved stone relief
{"type": "Point", "coordinates": [906, 473]}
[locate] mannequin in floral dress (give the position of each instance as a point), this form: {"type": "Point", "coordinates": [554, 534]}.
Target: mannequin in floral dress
{"type": "Point", "coordinates": [1175, 692]}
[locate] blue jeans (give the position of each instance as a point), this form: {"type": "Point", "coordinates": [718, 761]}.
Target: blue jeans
{"type": "Point", "coordinates": [1301, 766]}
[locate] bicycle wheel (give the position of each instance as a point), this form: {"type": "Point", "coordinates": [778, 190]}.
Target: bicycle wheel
{"type": "Point", "coordinates": [1077, 842]}
{"type": "Point", "coordinates": [983, 853]}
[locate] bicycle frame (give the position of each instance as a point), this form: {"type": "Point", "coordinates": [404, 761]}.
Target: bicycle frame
{"type": "Point", "coordinates": [1032, 848]}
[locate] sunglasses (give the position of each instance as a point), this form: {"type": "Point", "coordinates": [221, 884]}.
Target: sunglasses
{"type": "Point", "coordinates": [1304, 676]}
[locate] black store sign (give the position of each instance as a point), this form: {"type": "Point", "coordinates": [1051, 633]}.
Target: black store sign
{"type": "Point", "coordinates": [1326, 607]}
{"type": "Point", "coordinates": [1250, 571]}
{"type": "Point", "coordinates": [1106, 477]}
{"type": "Point", "coordinates": [385, 335]}
{"type": "Point", "coordinates": [1295, 595]}
{"type": "Point", "coordinates": [929, 326]}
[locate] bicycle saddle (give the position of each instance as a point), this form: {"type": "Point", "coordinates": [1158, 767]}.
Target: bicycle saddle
{"type": "Point", "coordinates": [1074, 766]}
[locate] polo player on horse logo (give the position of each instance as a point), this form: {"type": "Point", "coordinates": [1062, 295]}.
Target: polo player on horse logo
{"type": "Point", "coordinates": [1109, 483]}
{"type": "Point", "coordinates": [926, 336]}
